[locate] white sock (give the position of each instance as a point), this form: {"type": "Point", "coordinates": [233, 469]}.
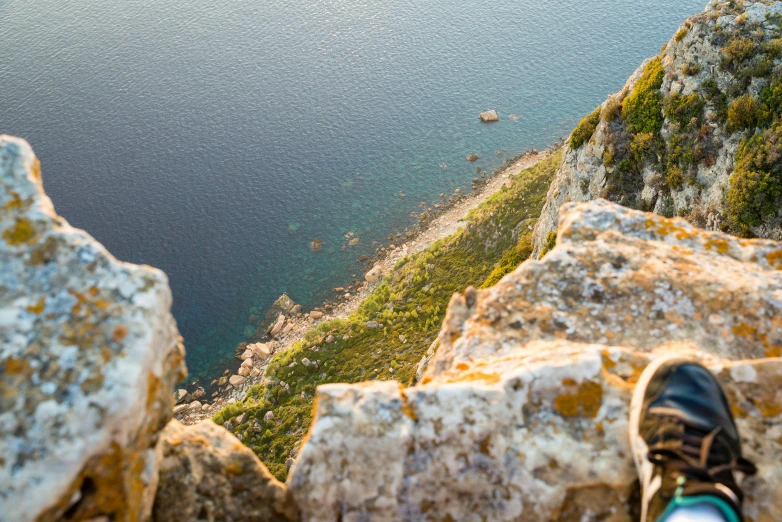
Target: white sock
{"type": "Point", "coordinates": [704, 512]}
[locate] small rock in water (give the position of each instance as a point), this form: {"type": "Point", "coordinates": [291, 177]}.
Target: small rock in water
{"type": "Point", "coordinates": [316, 244]}
{"type": "Point", "coordinates": [353, 242]}
{"type": "Point", "coordinates": [489, 116]}
{"type": "Point", "coordinates": [472, 157]}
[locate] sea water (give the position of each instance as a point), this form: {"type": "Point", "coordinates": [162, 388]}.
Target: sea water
{"type": "Point", "coordinates": [216, 140]}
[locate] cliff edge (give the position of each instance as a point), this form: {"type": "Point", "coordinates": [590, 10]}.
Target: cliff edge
{"type": "Point", "coordinates": [523, 411]}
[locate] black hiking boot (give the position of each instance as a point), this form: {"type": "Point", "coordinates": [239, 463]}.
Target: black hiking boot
{"type": "Point", "coordinates": [684, 440]}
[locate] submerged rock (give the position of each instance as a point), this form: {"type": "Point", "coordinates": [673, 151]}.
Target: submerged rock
{"type": "Point", "coordinates": [522, 412]}
{"type": "Point", "coordinates": [89, 360]}
{"type": "Point", "coordinates": [472, 157]}
{"type": "Point", "coordinates": [207, 474]}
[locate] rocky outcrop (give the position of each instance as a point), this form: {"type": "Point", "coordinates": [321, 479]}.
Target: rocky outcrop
{"type": "Point", "coordinates": [489, 116]}
{"type": "Point", "coordinates": [671, 140]}
{"type": "Point", "coordinates": [522, 413]}
{"type": "Point", "coordinates": [207, 474]}
{"type": "Point", "coordinates": [89, 356]}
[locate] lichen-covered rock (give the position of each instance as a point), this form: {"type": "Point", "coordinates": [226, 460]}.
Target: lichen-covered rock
{"type": "Point", "coordinates": [522, 413]}
{"type": "Point", "coordinates": [207, 474]}
{"type": "Point", "coordinates": [89, 357]}
{"type": "Point", "coordinates": [681, 158]}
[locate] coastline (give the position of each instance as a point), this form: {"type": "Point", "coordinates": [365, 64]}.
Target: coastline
{"type": "Point", "coordinates": [443, 224]}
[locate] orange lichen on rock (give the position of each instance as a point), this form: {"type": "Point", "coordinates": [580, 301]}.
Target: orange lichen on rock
{"type": "Point", "coordinates": [585, 401]}
{"type": "Point", "coordinates": [22, 232]}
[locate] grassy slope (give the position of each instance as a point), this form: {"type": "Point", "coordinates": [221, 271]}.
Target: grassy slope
{"type": "Point", "coordinates": [410, 304]}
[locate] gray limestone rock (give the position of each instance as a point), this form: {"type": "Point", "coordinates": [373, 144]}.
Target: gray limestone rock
{"type": "Point", "coordinates": [208, 474]}
{"type": "Point", "coordinates": [89, 358]}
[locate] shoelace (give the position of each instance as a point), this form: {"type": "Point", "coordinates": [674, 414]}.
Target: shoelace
{"type": "Point", "coordinates": [691, 457]}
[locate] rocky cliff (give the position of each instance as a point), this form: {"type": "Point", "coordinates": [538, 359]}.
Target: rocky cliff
{"type": "Point", "coordinates": [523, 411]}
{"type": "Point", "coordinates": [695, 132]}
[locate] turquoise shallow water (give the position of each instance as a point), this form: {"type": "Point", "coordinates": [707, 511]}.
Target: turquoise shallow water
{"type": "Point", "coordinates": [215, 141]}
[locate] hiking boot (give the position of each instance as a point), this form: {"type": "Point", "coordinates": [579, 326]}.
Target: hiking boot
{"type": "Point", "coordinates": [684, 440]}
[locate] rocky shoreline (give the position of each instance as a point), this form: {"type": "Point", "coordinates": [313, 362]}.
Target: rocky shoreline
{"type": "Point", "coordinates": [286, 322]}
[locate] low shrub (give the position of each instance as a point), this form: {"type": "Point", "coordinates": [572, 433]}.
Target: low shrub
{"type": "Point", "coordinates": [682, 109]}
{"type": "Point", "coordinates": [717, 98]}
{"type": "Point", "coordinates": [551, 242]}
{"type": "Point", "coordinates": [745, 112]}
{"type": "Point", "coordinates": [641, 146]}
{"type": "Point", "coordinates": [737, 51]}
{"type": "Point", "coordinates": [755, 190]}
{"type": "Point", "coordinates": [585, 129]}
{"type": "Point", "coordinates": [642, 110]}
{"type": "Point", "coordinates": [511, 259]}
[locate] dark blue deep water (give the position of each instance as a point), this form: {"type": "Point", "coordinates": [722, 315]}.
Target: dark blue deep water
{"type": "Point", "coordinates": [215, 140]}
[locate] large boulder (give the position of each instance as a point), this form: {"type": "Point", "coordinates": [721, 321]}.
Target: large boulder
{"type": "Point", "coordinates": [489, 116]}
{"type": "Point", "coordinates": [89, 357]}
{"type": "Point", "coordinates": [522, 413]}
{"type": "Point", "coordinates": [208, 474]}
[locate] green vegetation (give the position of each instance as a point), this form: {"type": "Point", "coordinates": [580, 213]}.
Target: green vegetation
{"type": "Point", "coordinates": [551, 242]}
{"type": "Point", "coordinates": [756, 183]}
{"type": "Point", "coordinates": [738, 51]}
{"type": "Point", "coordinates": [682, 109]}
{"type": "Point", "coordinates": [681, 33]}
{"type": "Point", "coordinates": [745, 112]}
{"type": "Point", "coordinates": [585, 129]}
{"type": "Point", "coordinates": [684, 147]}
{"type": "Point", "coordinates": [715, 97]}
{"type": "Point", "coordinates": [642, 109]}
{"type": "Point", "coordinates": [410, 305]}
{"type": "Point", "coordinates": [512, 257]}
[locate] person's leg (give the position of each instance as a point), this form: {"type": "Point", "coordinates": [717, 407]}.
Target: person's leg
{"type": "Point", "coordinates": [685, 444]}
